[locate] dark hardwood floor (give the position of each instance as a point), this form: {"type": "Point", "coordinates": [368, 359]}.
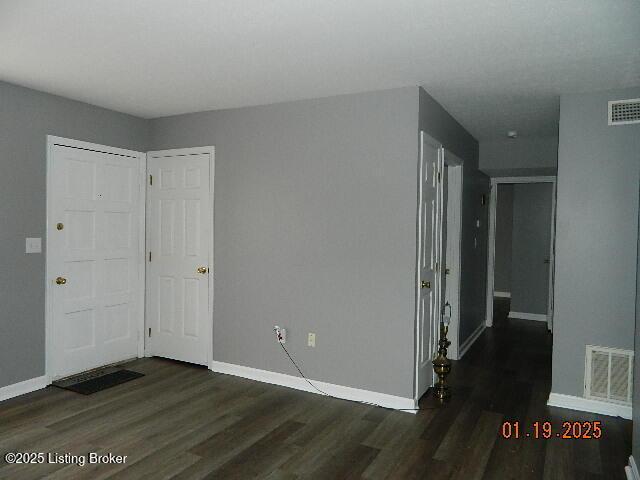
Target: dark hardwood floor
{"type": "Point", "coordinates": [185, 422]}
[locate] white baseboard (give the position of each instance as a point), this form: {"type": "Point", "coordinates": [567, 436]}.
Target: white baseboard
{"type": "Point", "coordinates": [539, 317]}
{"type": "Point", "coordinates": [339, 391]}
{"type": "Point", "coordinates": [632, 470]}
{"type": "Point", "coordinates": [501, 294]}
{"type": "Point", "coordinates": [470, 340]}
{"type": "Point", "coordinates": [588, 405]}
{"type": "Point", "coordinates": [21, 388]}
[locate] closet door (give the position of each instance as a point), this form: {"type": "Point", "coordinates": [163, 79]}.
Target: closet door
{"type": "Point", "coordinates": [179, 237]}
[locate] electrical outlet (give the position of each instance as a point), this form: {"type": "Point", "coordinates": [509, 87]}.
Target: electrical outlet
{"type": "Point", "coordinates": [311, 340]}
{"type": "Point", "coordinates": [281, 333]}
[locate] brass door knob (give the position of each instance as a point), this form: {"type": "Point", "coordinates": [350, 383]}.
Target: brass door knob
{"type": "Point", "coordinates": [425, 284]}
{"type": "Point", "coordinates": [61, 280]}
{"type": "Point", "coordinates": [202, 270]}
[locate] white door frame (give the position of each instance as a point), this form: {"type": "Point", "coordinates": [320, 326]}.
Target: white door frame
{"type": "Point", "coordinates": [454, 245]}
{"type": "Point", "coordinates": [493, 202]}
{"type": "Point", "coordinates": [184, 152]}
{"type": "Point", "coordinates": [50, 274]}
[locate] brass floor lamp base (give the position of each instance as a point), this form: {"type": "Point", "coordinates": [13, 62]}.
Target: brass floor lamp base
{"type": "Point", "coordinates": [442, 365]}
{"type": "Point", "coordinates": [442, 393]}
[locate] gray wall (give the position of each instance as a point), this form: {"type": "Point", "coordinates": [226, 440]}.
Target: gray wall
{"type": "Point", "coordinates": [596, 239]}
{"type": "Point", "coordinates": [26, 118]}
{"type": "Point", "coordinates": [522, 156]}
{"type": "Point", "coordinates": [504, 230]}
{"type": "Point", "coordinates": [315, 225]}
{"type": "Point", "coordinates": [531, 241]}
{"type": "Point", "coordinates": [315, 231]}
{"type": "Point", "coordinates": [636, 360]}
{"type": "Point", "coordinates": [443, 127]}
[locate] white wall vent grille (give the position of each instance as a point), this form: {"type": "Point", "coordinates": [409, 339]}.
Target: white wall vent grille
{"type": "Point", "coordinates": [608, 374]}
{"type": "Point", "coordinates": [624, 112]}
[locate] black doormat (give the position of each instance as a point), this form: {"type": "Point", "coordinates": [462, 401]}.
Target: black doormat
{"type": "Point", "coordinates": [96, 381]}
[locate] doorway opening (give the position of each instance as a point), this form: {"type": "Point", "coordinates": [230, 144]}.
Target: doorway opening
{"type": "Point", "coordinates": [520, 271]}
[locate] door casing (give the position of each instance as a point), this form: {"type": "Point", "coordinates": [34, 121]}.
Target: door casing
{"type": "Point", "coordinates": [491, 257]}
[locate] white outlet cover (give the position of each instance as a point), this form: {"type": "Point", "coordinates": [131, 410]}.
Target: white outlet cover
{"type": "Point", "coordinates": [33, 245]}
{"type": "Point", "coordinates": [311, 341]}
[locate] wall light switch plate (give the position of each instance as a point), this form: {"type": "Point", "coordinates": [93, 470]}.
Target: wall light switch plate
{"type": "Point", "coordinates": [311, 340]}
{"type": "Point", "coordinates": [33, 245]}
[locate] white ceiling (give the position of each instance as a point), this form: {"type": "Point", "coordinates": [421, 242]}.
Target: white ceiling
{"type": "Point", "coordinates": [494, 64]}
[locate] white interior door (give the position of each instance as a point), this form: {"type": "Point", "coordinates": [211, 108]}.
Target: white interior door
{"type": "Point", "coordinates": [179, 246]}
{"type": "Point", "coordinates": [93, 257]}
{"type": "Point", "coordinates": [428, 245]}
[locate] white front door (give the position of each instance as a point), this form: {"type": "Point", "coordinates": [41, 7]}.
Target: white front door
{"type": "Point", "coordinates": [428, 245]}
{"type": "Point", "coordinates": [179, 245]}
{"type": "Point", "coordinates": [93, 256]}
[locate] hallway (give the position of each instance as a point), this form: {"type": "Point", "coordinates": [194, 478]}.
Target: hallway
{"type": "Point", "coordinates": [510, 368]}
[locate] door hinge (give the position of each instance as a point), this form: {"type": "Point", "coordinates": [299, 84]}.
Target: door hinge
{"type": "Point", "coordinates": [149, 255]}
{"type": "Point", "coordinates": [150, 179]}
{"type": "Point", "coordinates": [439, 177]}
{"type": "Point", "coordinates": [149, 332]}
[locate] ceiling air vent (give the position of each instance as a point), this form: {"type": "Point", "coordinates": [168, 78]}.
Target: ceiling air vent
{"type": "Point", "coordinates": [608, 375]}
{"type": "Point", "coordinates": [624, 112]}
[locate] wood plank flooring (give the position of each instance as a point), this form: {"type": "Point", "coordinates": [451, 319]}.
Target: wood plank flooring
{"type": "Point", "coordinates": [185, 422]}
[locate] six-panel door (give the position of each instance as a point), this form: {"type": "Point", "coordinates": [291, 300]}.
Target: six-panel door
{"type": "Point", "coordinates": [179, 219]}
{"type": "Point", "coordinates": [93, 250]}
{"type": "Point", "coordinates": [428, 255]}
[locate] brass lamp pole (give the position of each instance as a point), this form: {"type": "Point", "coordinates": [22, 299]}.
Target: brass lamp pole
{"type": "Point", "coordinates": [441, 364]}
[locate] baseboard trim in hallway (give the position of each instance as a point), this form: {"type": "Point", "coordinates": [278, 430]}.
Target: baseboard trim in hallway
{"type": "Point", "coordinates": [632, 470]}
{"type": "Point", "coordinates": [587, 405]}
{"type": "Point", "coordinates": [539, 317]}
{"type": "Point", "coordinates": [21, 388]}
{"type": "Point", "coordinates": [298, 383]}
{"type": "Point", "coordinates": [466, 345]}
